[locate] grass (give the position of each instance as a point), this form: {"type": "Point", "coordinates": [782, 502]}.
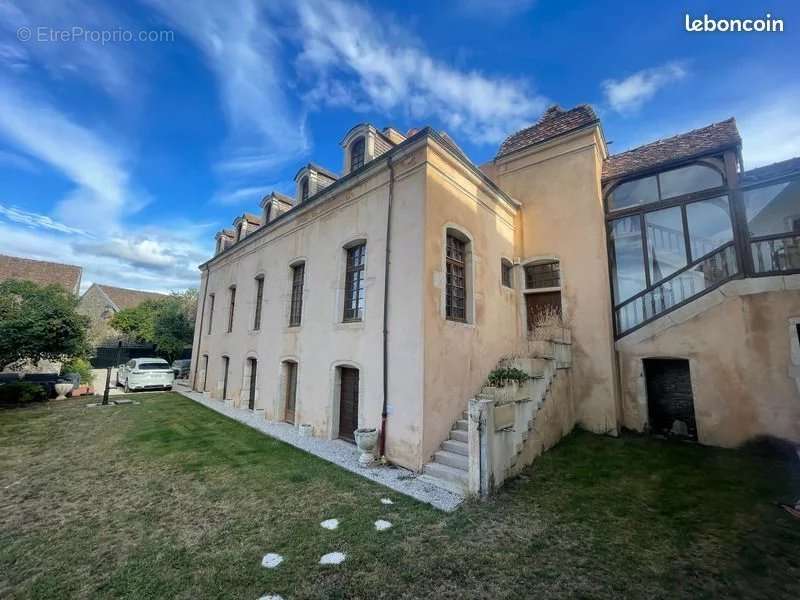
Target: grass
{"type": "Point", "coordinates": [167, 499]}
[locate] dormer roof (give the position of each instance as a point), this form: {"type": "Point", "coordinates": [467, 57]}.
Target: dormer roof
{"type": "Point", "coordinates": [317, 169]}
{"type": "Point", "coordinates": [276, 197]}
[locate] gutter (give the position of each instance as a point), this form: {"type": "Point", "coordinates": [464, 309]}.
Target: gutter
{"type": "Point", "coordinates": [387, 262]}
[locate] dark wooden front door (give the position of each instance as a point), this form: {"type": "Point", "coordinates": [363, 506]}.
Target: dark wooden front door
{"type": "Point", "coordinates": [291, 391]}
{"type": "Point", "coordinates": [225, 363]}
{"type": "Point", "coordinates": [348, 404]}
{"type": "Point", "coordinates": [251, 401]}
{"type": "Point", "coordinates": [669, 397]}
{"type": "Point", "coordinates": [540, 305]}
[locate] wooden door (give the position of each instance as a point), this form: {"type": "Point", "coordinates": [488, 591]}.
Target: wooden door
{"type": "Point", "coordinates": [541, 304]}
{"type": "Point", "coordinates": [251, 401]}
{"type": "Point", "coordinates": [225, 362]}
{"type": "Point", "coordinates": [291, 391]}
{"type": "Point", "coordinates": [669, 397]}
{"type": "Point", "coordinates": [348, 403]}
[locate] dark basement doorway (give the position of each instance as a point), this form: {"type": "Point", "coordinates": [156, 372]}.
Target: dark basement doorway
{"type": "Point", "coordinates": [669, 397]}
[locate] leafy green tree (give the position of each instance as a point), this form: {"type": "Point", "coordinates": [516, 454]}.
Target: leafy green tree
{"type": "Point", "coordinates": [39, 322]}
{"type": "Point", "coordinates": [166, 322]}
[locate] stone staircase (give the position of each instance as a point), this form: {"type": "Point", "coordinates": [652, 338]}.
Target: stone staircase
{"type": "Point", "coordinates": [449, 469]}
{"type": "Point", "coordinates": [515, 411]}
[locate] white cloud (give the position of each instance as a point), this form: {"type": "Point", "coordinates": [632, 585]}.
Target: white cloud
{"type": "Point", "coordinates": [770, 129]}
{"type": "Point", "coordinates": [242, 49]}
{"type": "Point", "coordinates": [94, 164]}
{"type": "Point", "coordinates": [377, 65]}
{"type": "Point", "coordinates": [37, 221]}
{"type": "Point", "coordinates": [629, 94]}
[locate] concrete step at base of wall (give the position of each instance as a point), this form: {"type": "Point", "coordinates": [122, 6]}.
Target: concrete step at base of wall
{"type": "Point", "coordinates": [451, 459]}
{"type": "Point", "coordinates": [451, 475]}
{"type": "Point", "coordinates": [461, 424]}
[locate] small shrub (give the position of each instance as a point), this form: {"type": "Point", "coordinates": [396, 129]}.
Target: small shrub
{"type": "Point", "coordinates": [21, 392]}
{"type": "Point", "coordinates": [503, 376]}
{"type": "Point", "coordinates": [80, 366]}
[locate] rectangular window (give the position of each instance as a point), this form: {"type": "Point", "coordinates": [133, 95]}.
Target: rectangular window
{"type": "Point", "coordinates": [296, 308]}
{"type": "Point", "coordinates": [666, 243]}
{"type": "Point", "coordinates": [456, 289]}
{"type": "Point", "coordinates": [505, 274]}
{"type": "Point", "coordinates": [210, 311]}
{"type": "Point", "coordinates": [627, 255]}
{"type": "Point", "coordinates": [709, 224]}
{"type": "Point", "coordinates": [354, 283]}
{"type": "Point", "coordinates": [231, 308]}
{"type": "Point", "coordinates": [544, 275]}
{"type": "Point", "coordinates": [773, 209]}
{"type": "Point", "coordinates": [259, 301]}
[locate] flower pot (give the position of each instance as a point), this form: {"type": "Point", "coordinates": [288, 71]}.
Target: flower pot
{"type": "Point", "coordinates": [366, 440]}
{"type": "Point", "coordinates": [306, 430]}
{"type": "Point", "coordinates": [62, 389]}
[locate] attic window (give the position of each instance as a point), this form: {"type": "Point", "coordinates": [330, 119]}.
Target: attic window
{"type": "Point", "coordinates": [357, 154]}
{"type": "Point", "coordinates": [304, 190]}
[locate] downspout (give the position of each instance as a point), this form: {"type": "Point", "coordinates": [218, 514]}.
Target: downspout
{"type": "Point", "coordinates": [386, 307]}
{"type": "Point", "coordinates": [200, 335]}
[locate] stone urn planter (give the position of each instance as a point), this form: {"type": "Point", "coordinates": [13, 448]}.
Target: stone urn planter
{"type": "Point", "coordinates": [306, 430]}
{"type": "Point", "coordinates": [62, 389]}
{"type": "Point", "coordinates": [366, 439]}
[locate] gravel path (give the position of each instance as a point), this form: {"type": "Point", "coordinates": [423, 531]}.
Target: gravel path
{"type": "Point", "coordinates": [336, 451]}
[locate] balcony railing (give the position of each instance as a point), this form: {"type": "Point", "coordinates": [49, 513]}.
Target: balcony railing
{"type": "Point", "coordinates": [776, 254]}
{"type": "Point", "coordinates": [679, 288]}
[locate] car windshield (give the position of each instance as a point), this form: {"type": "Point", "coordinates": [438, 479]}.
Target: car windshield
{"type": "Point", "coordinates": [152, 366]}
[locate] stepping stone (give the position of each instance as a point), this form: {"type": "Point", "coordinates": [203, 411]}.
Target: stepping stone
{"type": "Point", "coordinates": [271, 560]}
{"type": "Point", "coordinates": [271, 597]}
{"type": "Point", "coordinates": [386, 501]}
{"type": "Point", "coordinates": [381, 525]}
{"type": "Point", "coordinates": [330, 523]}
{"type": "Point", "coordinates": [333, 558]}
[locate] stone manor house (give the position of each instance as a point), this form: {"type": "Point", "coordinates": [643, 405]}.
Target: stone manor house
{"type": "Point", "coordinates": [385, 296]}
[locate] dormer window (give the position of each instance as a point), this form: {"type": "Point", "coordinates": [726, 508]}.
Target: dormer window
{"type": "Point", "coordinates": [357, 154]}
{"type": "Point", "coordinates": [304, 189]}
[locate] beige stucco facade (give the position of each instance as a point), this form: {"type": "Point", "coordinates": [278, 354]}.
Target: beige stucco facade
{"type": "Point", "coordinates": [543, 202]}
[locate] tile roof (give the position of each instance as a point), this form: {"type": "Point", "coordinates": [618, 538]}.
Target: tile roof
{"type": "Point", "coordinates": [41, 272]}
{"type": "Point", "coordinates": [124, 298]}
{"type": "Point", "coordinates": [773, 171]}
{"type": "Point", "coordinates": [706, 140]}
{"type": "Point", "coordinates": [554, 122]}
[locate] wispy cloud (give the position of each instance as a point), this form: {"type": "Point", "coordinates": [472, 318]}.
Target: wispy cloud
{"type": "Point", "coordinates": [770, 128]}
{"type": "Point", "coordinates": [629, 94]}
{"type": "Point", "coordinates": [37, 221]}
{"type": "Point", "coordinates": [242, 49]}
{"type": "Point", "coordinates": [376, 65]}
{"type": "Point", "coordinates": [94, 164]}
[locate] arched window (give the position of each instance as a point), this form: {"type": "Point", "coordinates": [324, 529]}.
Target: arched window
{"type": "Point", "coordinates": [355, 264]}
{"type": "Point", "coordinates": [357, 154]}
{"type": "Point", "coordinates": [296, 305]}
{"type": "Point", "coordinates": [304, 189]}
{"type": "Point", "coordinates": [458, 255]}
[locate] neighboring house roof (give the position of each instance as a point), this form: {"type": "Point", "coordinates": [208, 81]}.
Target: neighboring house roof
{"type": "Point", "coordinates": [773, 171]}
{"type": "Point", "coordinates": [124, 298]}
{"type": "Point", "coordinates": [41, 272]}
{"type": "Point", "coordinates": [693, 144]}
{"type": "Point", "coordinates": [554, 122]}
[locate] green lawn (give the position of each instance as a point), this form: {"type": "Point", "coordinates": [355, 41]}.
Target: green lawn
{"type": "Point", "coordinates": [167, 499]}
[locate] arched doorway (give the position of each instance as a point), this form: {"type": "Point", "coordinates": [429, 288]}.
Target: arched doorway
{"type": "Point", "coordinates": [250, 382]}
{"type": "Point", "coordinates": [348, 402]}
{"type": "Point", "coordinates": [289, 379]}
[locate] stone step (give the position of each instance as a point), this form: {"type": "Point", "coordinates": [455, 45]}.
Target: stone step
{"type": "Point", "coordinates": [451, 459]}
{"type": "Point", "coordinates": [456, 447]}
{"type": "Point", "coordinates": [459, 435]}
{"type": "Point", "coordinates": [451, 475]}
{"type": "Point", "coordinates": [454, 488]}
{"type": "Point", "coordinates": [462, 424]}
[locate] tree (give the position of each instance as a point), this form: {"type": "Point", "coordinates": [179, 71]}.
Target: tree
{"type": "Point", "coordinates": [39, 322]}
{"type": "Point", "coordinates": [166, 322]}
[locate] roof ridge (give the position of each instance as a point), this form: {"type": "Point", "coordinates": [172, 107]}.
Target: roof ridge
{"type": "Point", "coordinates": [672, 137]}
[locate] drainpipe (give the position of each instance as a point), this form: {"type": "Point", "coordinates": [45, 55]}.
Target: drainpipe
{"type": "Point", "coordinates": [386, 307]}
{"type": "Point", "coordinates": [200, 334]}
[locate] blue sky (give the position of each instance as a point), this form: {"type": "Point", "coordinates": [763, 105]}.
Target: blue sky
{"type": "Point", "coordinates": [127, 157]}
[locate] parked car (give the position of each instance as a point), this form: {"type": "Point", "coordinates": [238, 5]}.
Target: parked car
{"type": "Point", "coordinates": [145, 374]}
{"type": "Point", "coordinates": [181, 368]}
